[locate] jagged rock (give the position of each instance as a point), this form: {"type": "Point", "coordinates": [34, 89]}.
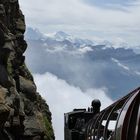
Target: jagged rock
{"type": "Point", "coordinates": [24, 115]}
{"type": "Point", "coordinates": [28, 88]}
{"type": "Point", "coordinates": [4, 108]}
{"type": "Point", "coordinates": [4, 79]}
{"type": "Point", "coordinates": [34, 125]}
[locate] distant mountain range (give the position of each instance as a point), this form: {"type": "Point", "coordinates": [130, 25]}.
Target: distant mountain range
{"type": "Point", "coordinates": [61, 38]}
{"type": "Point", "coordinates": [84, 63]}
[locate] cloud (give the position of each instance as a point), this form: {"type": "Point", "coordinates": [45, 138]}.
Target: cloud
{"type": "Point", "coordinates": [113, 4]}
{"type": "Point", "coordinates": [81, 19]}
{"type": "Point", "coordinates": [63, 98]}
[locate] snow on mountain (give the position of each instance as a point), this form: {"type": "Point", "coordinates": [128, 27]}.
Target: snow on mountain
{"type": "Point", "coordinates": [59, 36]}
{"type": "Point", "coordinates": [83, 63]}
{"type": "Point", "coordinates": [34, 34]}
{"type": "Point", "coordinates": [60, 41]}
{"type": "Point", "coordinates": [116, 43]}
{"type": "Point", "coordinates": [120, 64]}
{"type": "Point", "coordinates": [62, 38]}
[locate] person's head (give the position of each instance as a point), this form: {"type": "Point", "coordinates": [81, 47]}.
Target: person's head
{"type": "Point", "coordinates": [96, 104]}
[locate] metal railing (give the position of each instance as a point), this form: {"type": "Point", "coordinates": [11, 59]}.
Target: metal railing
{"type": "Point", "coordinates": [119, 121]}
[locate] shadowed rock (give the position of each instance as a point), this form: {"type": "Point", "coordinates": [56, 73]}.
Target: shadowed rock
{"type": "Point", "coordinates": [23, 113]}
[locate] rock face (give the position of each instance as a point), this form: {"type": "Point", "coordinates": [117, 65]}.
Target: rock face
{"type": "Point", "coordinates": [24, 115]}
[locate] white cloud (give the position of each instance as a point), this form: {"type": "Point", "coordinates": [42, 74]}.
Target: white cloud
{"type": "Point", "coordinates": [84, 20]}
{"type": "Point", "coordinates": [63, 98]}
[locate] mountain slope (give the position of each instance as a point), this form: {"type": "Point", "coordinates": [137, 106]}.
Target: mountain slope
{"type": "Point", "coordinates": [86, 65]}
{"type": "Point", "coordinates": [24, 115]}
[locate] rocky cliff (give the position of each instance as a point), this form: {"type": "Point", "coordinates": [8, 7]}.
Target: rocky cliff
{"type": "Point", "coordinates": [24, 115]}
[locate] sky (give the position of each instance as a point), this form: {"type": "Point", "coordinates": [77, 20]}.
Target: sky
{"type": "Point", "coordinates": [90, 19]}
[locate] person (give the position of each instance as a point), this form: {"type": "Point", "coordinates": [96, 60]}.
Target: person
{"type": "Point", "coordinates": [95, 106]}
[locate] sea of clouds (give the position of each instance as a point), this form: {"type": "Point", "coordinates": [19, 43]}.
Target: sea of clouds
{"type": "Point", "coordinates": [63, 97]}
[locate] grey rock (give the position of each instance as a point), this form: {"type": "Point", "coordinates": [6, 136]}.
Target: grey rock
{"type": "Point", "coordinates": [23, 112]}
